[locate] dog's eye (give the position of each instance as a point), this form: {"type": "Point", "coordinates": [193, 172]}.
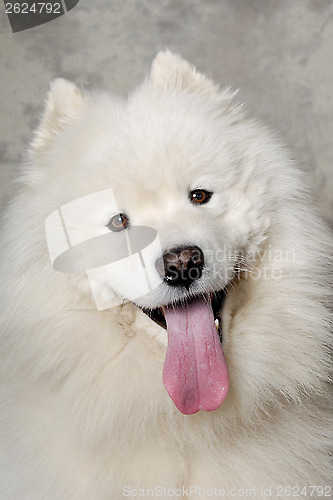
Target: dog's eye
{"type": "Point", "coordinates": [200, 196]}
{"type": "Point", "coordinates": [118, 222]}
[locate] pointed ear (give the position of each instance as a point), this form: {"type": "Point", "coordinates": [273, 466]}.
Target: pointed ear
{"type": "Point", "coordinates": [64, 105]}
{"type": "Point", "coordinates": [170, 71]}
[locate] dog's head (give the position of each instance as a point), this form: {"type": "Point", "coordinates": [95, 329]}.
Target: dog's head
{"type": "Point", "coordinates": [172, 190]}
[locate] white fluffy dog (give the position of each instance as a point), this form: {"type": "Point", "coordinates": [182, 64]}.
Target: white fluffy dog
{"type": "Point", "coordinates": [213, 381]}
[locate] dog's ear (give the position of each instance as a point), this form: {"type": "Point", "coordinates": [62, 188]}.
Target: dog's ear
{"type": "Point", "coordinates": [64, 104]}
{"type": "Point", "coordinates": [170, 71]}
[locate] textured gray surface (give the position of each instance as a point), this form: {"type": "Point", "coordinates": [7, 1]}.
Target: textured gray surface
{"type": "Point", "coordinates": [278, 52]}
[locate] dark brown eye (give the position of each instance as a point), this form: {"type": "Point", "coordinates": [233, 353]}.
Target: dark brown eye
{"type": "Point", "coordinates": [118, 222]}
{"type": "Point", "coordinates": [200, 196]}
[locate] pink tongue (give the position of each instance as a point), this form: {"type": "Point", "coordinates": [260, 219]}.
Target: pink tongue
{"type": "Point", "coordinates": [195, 372]}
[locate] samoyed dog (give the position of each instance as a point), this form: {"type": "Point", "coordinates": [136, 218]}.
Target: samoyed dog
{"type": "Point", "coordinates": [165, 291]}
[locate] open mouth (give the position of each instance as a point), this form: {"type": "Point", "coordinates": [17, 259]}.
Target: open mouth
{"type": "Point", "coordinates": [216, 299]}
{"type": "Point", "coordinates": [195, 372]}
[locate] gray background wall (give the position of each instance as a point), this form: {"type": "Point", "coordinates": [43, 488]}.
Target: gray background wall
{"type": "Point", "coordinates": [278, 52]}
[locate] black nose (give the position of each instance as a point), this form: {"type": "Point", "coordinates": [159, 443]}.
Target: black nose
{"type": "Point", "coordinates": [181, 266]}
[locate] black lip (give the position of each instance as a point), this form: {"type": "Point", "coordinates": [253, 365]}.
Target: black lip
{"type": "Point", "coordinates": [217, 300]}
{"type": "Point", "coordinates": [156, 315]}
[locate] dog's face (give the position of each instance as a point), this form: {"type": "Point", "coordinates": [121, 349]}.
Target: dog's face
{"type": "Point", "coordinates": [172, 159]}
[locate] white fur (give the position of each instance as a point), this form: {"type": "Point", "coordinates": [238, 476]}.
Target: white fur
{"type": "Point", "coordinates": [84, 411]}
